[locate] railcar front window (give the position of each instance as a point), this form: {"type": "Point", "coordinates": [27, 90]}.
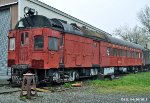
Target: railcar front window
{"type": "Point", "coordinates": [22, 38]}
{"type": "Point", "coordinates": [38, 42]}
{"type": "Point", "coordinates": [26, 38]}
{"type": "Point", "coordinates": [12, 44]}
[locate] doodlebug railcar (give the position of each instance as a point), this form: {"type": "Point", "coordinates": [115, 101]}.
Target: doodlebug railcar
{"type": "Point", "coordinates": [57, 51]}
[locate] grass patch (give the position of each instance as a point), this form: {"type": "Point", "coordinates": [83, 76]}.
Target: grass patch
{"type": "Point", "coordinates": [132, 83]}
{"type": "Point", "coordinates": [67, 85]}
{"type": "Point", "coordinates": [23, 98]}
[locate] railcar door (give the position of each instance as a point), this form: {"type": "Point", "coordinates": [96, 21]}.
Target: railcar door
{"type": "Point", "coordinates": [54, 50]}
{"type": "Point", "coordinates": [24, 53]}
{"type": "Point", "coordinates": [96, 53]}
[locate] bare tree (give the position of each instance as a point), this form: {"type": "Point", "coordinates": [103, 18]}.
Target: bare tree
{"type": "Point", "coordinates": [138, 35]}
{"type": "Point", "coordinates": [144, 17]}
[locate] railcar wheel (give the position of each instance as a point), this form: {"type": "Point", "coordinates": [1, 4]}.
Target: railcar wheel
{"type": "Point", "coordinates": [73, 75]}
{"type": "Point", "coordinates": [16, 80]}
{"type": "Point", "coordinates": [56, 77]}
{"type": "Point", "coordinates": [112, 77]}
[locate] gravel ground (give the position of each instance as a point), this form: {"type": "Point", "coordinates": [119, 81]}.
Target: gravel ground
{"type": "Point", "coordinates": [75, 95]}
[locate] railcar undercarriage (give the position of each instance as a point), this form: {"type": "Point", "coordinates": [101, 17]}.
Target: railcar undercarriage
{"type": "Point", "coordinates": [63, 75]}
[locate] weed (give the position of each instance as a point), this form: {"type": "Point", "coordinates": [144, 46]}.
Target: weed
{"type": "Point", "coordinates": [23, 98]}
{"type": "Point", "coordinates": [132, 83]}
{"type": "Point", "coordinates": [67, 85]}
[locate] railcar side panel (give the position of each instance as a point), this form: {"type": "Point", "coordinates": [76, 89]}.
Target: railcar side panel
{"type": "Point", "coordinates": [78, 51]}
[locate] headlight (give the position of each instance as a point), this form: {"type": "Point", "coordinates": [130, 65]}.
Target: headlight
{"type": "Point", "coordinates": [26, 10]}
{"type": "Point", "coordinates": [29, 11]}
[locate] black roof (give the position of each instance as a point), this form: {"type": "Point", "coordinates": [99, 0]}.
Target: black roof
{"type": "Point", "coordinates": [67, 27]}
{"type": "Point", "coordinates": [123, 42]}
{"type": "Point", "coordinates": [34, 21]}
{"type": "Point", "coordinates": [42, 21]}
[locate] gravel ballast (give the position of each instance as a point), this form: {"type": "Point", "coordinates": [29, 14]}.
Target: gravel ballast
{"type": "Point", "coordinates": [75, 95]}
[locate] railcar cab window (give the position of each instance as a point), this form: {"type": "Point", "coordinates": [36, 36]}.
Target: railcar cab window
{"type": "Point", "coordinates": [38, 42]}
{"type": "Point", "coordinates": [52, 43]}
{"type": "Point", "coordinates": [12, 44]}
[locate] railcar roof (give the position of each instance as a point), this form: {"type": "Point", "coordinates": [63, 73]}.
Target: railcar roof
{"type": "Point", "coordinates": [42, 21]}
{"type": "Point", "coordinates": [124, 43]}
{"type": "Point", "coordinates": [34, 21]}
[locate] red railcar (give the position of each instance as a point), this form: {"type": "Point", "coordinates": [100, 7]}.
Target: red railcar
{"type": "Point", "coordinates": [55, 50]}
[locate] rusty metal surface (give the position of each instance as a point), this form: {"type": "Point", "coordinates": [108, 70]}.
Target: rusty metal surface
{"type": "Point", "coordinates": [92, 33]}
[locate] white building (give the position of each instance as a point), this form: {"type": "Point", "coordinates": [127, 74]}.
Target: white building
{"type": "Point", "coordinates": [13, 10]}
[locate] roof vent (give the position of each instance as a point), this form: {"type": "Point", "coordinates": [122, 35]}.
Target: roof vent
{"type": "Point", "coordinates": [84, 27]}
{"type": "Point", "coordinates": [74, 24]}
{"type": "Point", "coordinates": [63, 21]}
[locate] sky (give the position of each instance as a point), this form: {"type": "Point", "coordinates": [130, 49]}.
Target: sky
{"type": "Point", "coordinates": [106, 15]}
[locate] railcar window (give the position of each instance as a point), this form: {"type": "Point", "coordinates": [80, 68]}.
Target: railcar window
{"type": "Point", "coordinates": [121, 52]}
{"type": "Point", "coordinates": [12, 44]}
{"type": "Point", "coordinates": [22, 38]}
{"type": "Point", "coordinates": [95, 45]}
{"type": "Point", "coordinates": [135, 56]}
{"type": "Point", "coordinates": [114, 52]}
{"type": "Point", "coordinates": [61, 40]}
{"type": "Point", "coordinates": [132, 54]}
{"type": "Point", "coordinates": [52, 43]}
{"type": "Point", "coordinates": [139, 55]}
{"type": "Point", "coordinates": [26, 38]}
{"type": "Point", "coordinates": [38, 42]}
{"type": "Point", "coordinates": [128, 54]}
{"type": "Point", "coordinates": [109, 51]}
{"type": "Point", "coordinates": [125, 53]}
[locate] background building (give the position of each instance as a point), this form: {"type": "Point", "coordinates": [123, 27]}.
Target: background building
{"type": "Point", "coordinates": [13, 10]}
{"type": "Point", "coordinates": [8, 18]}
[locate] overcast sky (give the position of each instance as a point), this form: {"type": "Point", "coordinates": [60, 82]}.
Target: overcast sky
{"type": "Point", "coordinates": [103, 14]}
